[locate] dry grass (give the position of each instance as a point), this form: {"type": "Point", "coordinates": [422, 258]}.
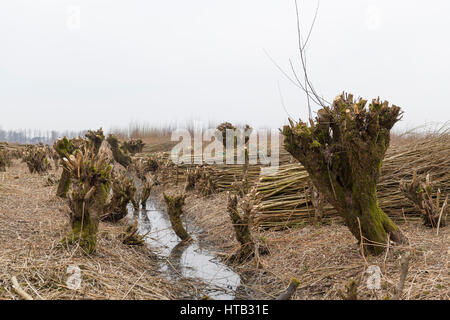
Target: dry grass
{"type": "Point", "coordinates": [324, 258]}
{"type": "Point", "coordinates": [32, 222]}
{"type": "Point", "coordinates": [156, 138]}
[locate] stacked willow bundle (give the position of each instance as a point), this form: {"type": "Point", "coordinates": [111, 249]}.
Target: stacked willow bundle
{"type": "Point", "coordinates": [426, 155]}
{"type": "Point", "coordinates": [222, 175]}
{"type": "Point", "coordinates": [284, 199]}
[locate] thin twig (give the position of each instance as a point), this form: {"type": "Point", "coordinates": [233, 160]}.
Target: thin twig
{"type": "Point", "coordinates": [404, 271]}
{"type": "Point", "coordinates": [440, 214]}
{"type": "Point", "coordinates": [134, 284]}
{"type": "Point", "coordinates": [362, 242]}
{"type": "Point", "coordinates": [19, 289]}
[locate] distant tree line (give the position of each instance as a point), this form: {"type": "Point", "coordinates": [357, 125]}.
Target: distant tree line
{"type": "Point", "coordinates": [28, 136]}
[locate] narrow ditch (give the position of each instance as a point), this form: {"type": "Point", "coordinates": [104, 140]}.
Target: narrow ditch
{"type": "Point", "coordinates": [191, 260]}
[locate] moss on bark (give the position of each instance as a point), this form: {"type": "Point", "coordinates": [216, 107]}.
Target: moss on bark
{"type": "Point", "coordinates": [175, 210]}
{"type": "Point", "coordinates": [64, 148]}
{"type": "Point", "coordinates": [242, 231]}
{"type": "Point", "coordinates": [133, 146]}
{"type": "Point", "coordinates": [64, 184]}
{"type": "Point", "coordinates": [124, 191]}
{"type": "Point", "coordinates": [95, 139]}
{"type": "Point", "coordinates": [119, 155]}
{"type": "Point", "coordinates": [342, 150]}
{"type": "Point", "coordinates": [90, 176]}
{"type": "Point", "coordinates": [146, 190]}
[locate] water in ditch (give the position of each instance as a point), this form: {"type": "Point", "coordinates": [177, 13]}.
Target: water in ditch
{"type": "Point", "coordinates": [187, 260]}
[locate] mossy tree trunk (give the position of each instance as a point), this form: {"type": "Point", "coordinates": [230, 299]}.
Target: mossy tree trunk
{"type": "Point", "coordinates": [119, 155]}
{"type": "Point", "coordinates": [237, 135]}
{"type": "Point", "coordinates": [133, 146]}
{"type": "Point", "coordinates": [191, 179]}
{"type": "Point", "coordinates": [95, 139]}
{"type": "Point", "coordinates": [124, 191]}
{"type": "Point", "coordinates": [146, 190]}
{"type": "Point", "coordinates": [131, 235]}
{"type": "Point", "coordinates": [64, 184]}
{"type": "Point", "coordinates": [175, 209]}
{"type": "Point", "coordinates": [242, 231]}
{"type": "Point", "coordinates": [342, 151]}
{"type": "Point", "coordinates": [85, 216]}
{"type": "Point", "coordinates": [64, 148]}
{"type": "Point", "coordinates": [90, 176]}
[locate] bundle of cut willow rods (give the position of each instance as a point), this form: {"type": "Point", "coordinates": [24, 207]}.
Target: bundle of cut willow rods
{"type": "Point", "coordinates": [222, 175]}
{"type": "Point", "coordinates": [283, 199]}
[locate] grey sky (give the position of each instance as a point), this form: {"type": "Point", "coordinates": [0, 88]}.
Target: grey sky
{"type": "Point", "coordinates": [166, 61]}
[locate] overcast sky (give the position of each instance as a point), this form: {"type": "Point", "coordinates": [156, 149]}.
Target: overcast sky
{"type": "Point", "coordinates": [86, 64]}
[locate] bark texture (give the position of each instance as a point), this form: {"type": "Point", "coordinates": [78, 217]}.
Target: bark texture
{"type": "Point", "coordinates": [90, 175]}
{"type": "Point", "coordinates": [119, 154]}
{"type": "Point", "coordinates": [64, 148]}
{"type": "Point", "coordinates": [342, 150]}
{"type": "Point", "coordinates": [242, 230]}
{"type": "Point", "coordinates": [124, 191]}
{"type": "Point", "coordinates": [175, 210]}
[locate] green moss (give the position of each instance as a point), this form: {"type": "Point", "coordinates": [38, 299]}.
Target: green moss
{"type": "Point", "coordinates": [175, 210]}
{"type": "Point", "coordinates": [315, 144]}
{"type": "Point", "coordinates": [64, 184]}
{"type": "Point", "coordinates": [119, 155]}
{"type": "Point", "coordinates": [88, 172]}
{"type": "Point", "coordinates": [344, 163]}
{"type": "Point", "coordinates": [64, 147]}
{"type": "Point", "coordinates": [83, 233]}
{"type": "Point", "coordinates": [295, 282]}
{"type": "Point", "coordinates": [95, 139]}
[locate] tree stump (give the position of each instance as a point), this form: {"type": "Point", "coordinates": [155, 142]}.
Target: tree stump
{"type": "Point", "coordinates": [124, 192]}
{"type": "Point", "coordinates": [90, 176]}
{"type": "Point", "coordinates": [242, 231]}
{"type": "Point", "coordinates": [342, 150]}
{"type": "Point", "coordinates": [421, 194]}
{"type": "Point", "coordinates": [175, 210]}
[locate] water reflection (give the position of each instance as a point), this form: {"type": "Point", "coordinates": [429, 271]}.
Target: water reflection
{"type": "Point", "coordinates": [185, 259]}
